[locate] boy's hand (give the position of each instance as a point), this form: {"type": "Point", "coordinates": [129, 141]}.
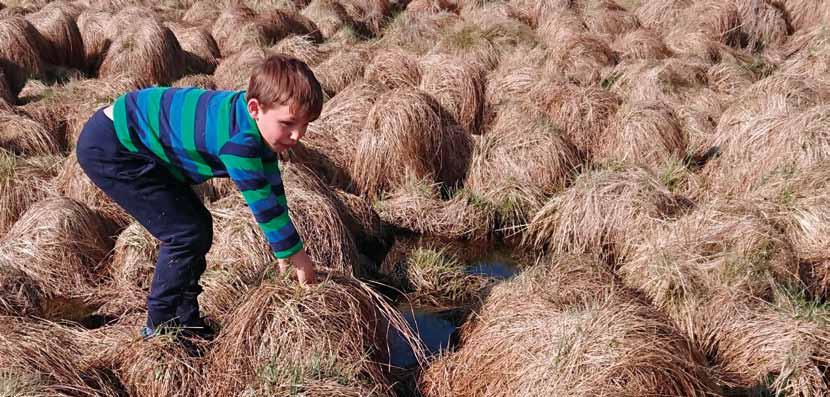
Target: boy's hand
{"type": "Point", "coordinates": [302, 265]}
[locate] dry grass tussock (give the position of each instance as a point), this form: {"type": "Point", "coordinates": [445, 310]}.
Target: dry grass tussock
{"type": "Point", "coordinates": [522, 161]}
{"type": "Point", "coordinates": [7, 97]}
{"type": "Point", "coordinates": [234, 71]}
{"type": "Point", "coordinates": [406, 133]}
{"type": "Point", "coordinates": [92, 25]}
{"type": "Point", "coordinates": [344, 66]}
{"type": "Point", "coordinates": [59, 244]}
{"type": "Point", "coordinates": [771, 142]}
{"type": "Point", "coordinates": [148, 51]}
{"type": "Point", "coordinates": [800, 206]}
{"type": "Point", "coordinates": [23, 182]}
{"type": "Point", "coordinates": [671, 80]}
{"type": "Point", "coordinates": [434, 273]}
{"type": "Point", "coordinates": [200, 49]}
{"type": "Point", "coordinates": [302, 47]}
{"type": "Point", "coordinates": [329, 16]}
{"type": "Point", "coordinates": [458, 87]}
{"type": "Point", "coordinates": [640, 44]}
{"type": "Point", "coordinates": [661, 16]}
{"type": "Point", "coordinates": [393, 68]}
{"type": "Point", "coordinates": [134, 258]}
{"type": "Point", "coordinates": [806, 54]}
{"type": "Point", "coordinates": [204, 81]}
{"type": "Point", "coordinates": [648, 133]}
{"type": "Point", "coordinates": [63, 44]}
{"type": "Point", "coordinates": [360, 218]}
{"type": "Point", "coordinates": [716, 249]}
{"type": "Point", "coordinates": [21, 51]}
{"type": "Point", "coordinates": [483, 42]}
{"type": "Point", "coordinates": [417, 205]}
{"type": "Point", "coordinates": [582, 58]}
{"type": "Point", "coordinates": [541, 335]}
{"type": "Point", "coordinates": [582, 112]}
{"type": "Point", "coordinates": [40, 359]}
{"type": "Point", "coordinates": [417, 33]}
{"type": "Point", "coordinates": [202, 13]}
{"type": "Point", "coordinates": [329, 339]}
{"type": "Point", "coordinates": [805, 14]}
{"type": "Point", "coordinates": [24, 136]}
{"type": "Point", "coordinates": [603, 212]}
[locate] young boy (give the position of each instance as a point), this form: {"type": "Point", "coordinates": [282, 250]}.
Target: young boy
{"type": "Point", "coordinates": [146, 150]}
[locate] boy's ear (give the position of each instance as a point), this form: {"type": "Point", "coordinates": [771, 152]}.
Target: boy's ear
{"type": "Point", "coordinates": [253, 108]}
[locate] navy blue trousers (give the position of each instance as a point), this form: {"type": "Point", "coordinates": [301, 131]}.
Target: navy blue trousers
{"type": "Point", "coordinates": [166, 207]}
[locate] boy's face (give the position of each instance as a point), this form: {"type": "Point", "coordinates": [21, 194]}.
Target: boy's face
{"type": "Point", "coordinates": [280, 127]}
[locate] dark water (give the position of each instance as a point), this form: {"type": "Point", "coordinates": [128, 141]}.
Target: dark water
{"type": "Point", "coordinates": [434, 328]}
{"type": "Point", "coordinates": [494, 269]}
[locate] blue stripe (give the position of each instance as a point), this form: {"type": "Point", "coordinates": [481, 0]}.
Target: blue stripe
{"type": "Point", "coordinates": [261, 206]}
{"type": "Point", "coordinates": [278, 190]}
{"type": "Point", "coordinates": [167, 136]}
{"type": "Point", "coordinates": [250, 184]}
{"type": "Point", "coordinates": [200, 123]}
{"type": "Point", "coordinates": [282, 234]}
{"type": "Point", "coordinates": [241, 150]}
{"type": "Point", "coordinates": [285, 244]}
{"type": "Point", "coordinates": [176, 104]}
{"type": "Point", "coordinates": [268, 214]}
{"type": "Point", "coordinates": [212, 124]}
{"type": "Point", "coordinates": [241, 120]}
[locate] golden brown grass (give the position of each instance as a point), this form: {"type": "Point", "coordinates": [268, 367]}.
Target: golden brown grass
{"type": "Point", "coordinates": [640, 44]}
{"type": "Point", "coordinates": [542, 335]}
{"type": "Point", "coordinates": [393, 68]}
{"type": "Point", "coordinates": [433, 273]}
{"type": "Point", "coordinates": [41, 358]}
{"type": "Point", "coordinates": [236, 29]}
{"type": "Point", "coordinates": [482, 42]}
{"type": "Point", "coordinates": [581, 58]}
{"type": "Point", "coordinates": [92, 26]}
{"type": "Point", "coordinates": [603, 212]}
{"type": "Point", "coordinates": [134, 258]}
{"type": "Point", "coordinates": [805, 14]}
{"type": "Point", "coordinates": [661, 16]}
{"type": "Point", "coordinates": [59, 244]}
{"type": "Point", "coordinates": [146, 50]}
{"type": "Point", "coordinates": [234, 71]}
{"type": "Point", "coordinates": [204, 81]}
{"type": "Point", "coordinates": [302, 47]}
{"type": "Point", "coordinates": [21, 51]}
{"type": "Point", "coordinates": [458, 86]}
{"type": "Point", "coordinates": [328, 15]}
{"type": "Point", "coordinates": [24, 136]}
{"type": "Point", "coordinates": [200, 49]}
{"type": "Point", "coordinates": [582, 112]}
{"type": "Point", "coordinates": [202, 12]}
{"type": "Point", "coordinates": [417, 205]}
{"type": "Point", "coordinates": [61, 36]}
{"type": "Point", "coordinates": [329, 339]}
{"type": "Point", "coordinates": [648, 133]}
{"type": "Point", "coordinates": [23, 182]}
{"type": "Point", "coordinates": [417, 32]}
{"type": "Point", "coordinates": [344, 66]}
{"type": "Point", "coordinates": [523, 160]}
{"type": "Point", "coordinates": [405, 132]}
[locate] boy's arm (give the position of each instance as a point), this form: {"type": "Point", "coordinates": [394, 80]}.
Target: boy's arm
{"type": "Point", "coordinates": [261, 186]}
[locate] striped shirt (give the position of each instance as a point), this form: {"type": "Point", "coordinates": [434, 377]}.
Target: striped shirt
{"type": "Point", "coordinates": [201, 134]}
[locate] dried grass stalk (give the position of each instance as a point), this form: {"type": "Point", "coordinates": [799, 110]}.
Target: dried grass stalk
{"type": "Point", "coordinates": [200, 50]}
{"type": "Point", "coordinates": [603, 212]}
{"type": "Point", "coordinates": [341, 68]}
{"type": "Point", "coordinates": [20, 54]}
{"type": "Point", "coordinates": [417, 32]}
{"type": "Point", "coordinates": [433, 273]}
{"type": "Point", "coordinates": [640, 44]}
{"type": "Point", "coordinates": [393, 68]}
{"type": "Point", "coordinates": [23, 182]}
{"type": "Point", "coordinates": [302, 47]}
{"type": "Point", "coordinates": [661, 16]}
{"type": "Point", "coordinates": [24, 136]}
{"type": "Point", "coordinates": [134, 258]}
{"type": "Point", "coordinates": [483, 44]}
{"type": "Point", "coordinates": [581, 58]}
{"type": "Point", "coordinates": [405, 132]}
{"type": "Point", "coordinates": [202, 12]}
{"type": "Point", "coordinates": [59, 244]}
{"type": "Point", "coordinates": [457, 86]}
{"type": "Point", "coordinates": [521, 162]}
{"type": "Point", "coordinates": [539, 335]}
{"type": "Point", "coordinates": [62, 38]}
{"type": "Point", "coordinates": [236, 29]}
{"type": "Point", "coordinates": [328, 15]}
{"type": "Point", "coordinates": [146, 50]}
{"type": "Point", "coordinates": [92, 26]}
{"type": "Point", "coordinates": [285, 338]}
{"type": "Point", "coordinates": [234, 71]}
{"type": "Point", "coordinates": [417, 205]}
{"type": "Point", "coordinates": [41, 358]}
{"type": "Point", "coordinates": [204, 81]}
{"type": "Point", "coordinates": [645, 133]}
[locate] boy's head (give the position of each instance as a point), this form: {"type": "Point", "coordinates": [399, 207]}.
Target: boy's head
{"type": "Point", "coordinates": [283, 97]}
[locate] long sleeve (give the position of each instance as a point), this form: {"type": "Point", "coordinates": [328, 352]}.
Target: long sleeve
{"type": "Point", "coordinates": [261, 186]}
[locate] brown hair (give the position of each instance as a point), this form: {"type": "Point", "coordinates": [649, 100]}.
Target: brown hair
{"type": "Point", "coordinates": [281, 80]}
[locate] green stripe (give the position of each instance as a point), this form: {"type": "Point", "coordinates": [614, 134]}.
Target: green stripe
{"type": "Point", "coordinates": [224, 124]}
{"type": "Point", "coordinates": [122, 130]}
{"type": "Point", "coordinates": [153, 143]}
{"type": "Point", "coordinates": [188, 125]}
{"type": "Point", "coordinates": [291, 251]}
{"type": "Point", "coordinates": [252, 196]}
{"type": "Point", "coordinates": [277, 223]}
{"type": "Point", "coordinates": [241, 163]}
